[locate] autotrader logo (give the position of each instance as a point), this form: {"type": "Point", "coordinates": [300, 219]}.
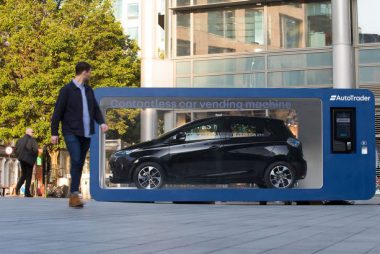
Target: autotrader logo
{"type": "Point", "coordinates": [351, 97]}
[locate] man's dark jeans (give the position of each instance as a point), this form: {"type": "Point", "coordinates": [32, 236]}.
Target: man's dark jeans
{"type": "Point", "coordinates": [77, 147]}
{"type": "Point", "coordinates": [26, 175]}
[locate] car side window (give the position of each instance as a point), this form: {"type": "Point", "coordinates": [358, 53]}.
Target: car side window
{"type": "Point", "coordinates": [203, 132]}
{"type": "Point", "coordinates": [248, 129]}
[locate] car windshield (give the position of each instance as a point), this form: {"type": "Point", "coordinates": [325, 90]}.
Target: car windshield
{"type": "Point", "coordinates": [175, 130]}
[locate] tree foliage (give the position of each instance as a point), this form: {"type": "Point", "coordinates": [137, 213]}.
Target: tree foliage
{"type": "Point", "coordinates": [40, 43]}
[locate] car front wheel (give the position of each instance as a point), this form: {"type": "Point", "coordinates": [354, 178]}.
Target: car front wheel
{"type": "Point", "coordinates": [280, 175]}
{"type": "Point", "coordinates": [149, 176]}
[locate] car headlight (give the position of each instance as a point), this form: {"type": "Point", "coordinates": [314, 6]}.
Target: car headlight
{"type": "Point", "coordinates": [293, 142]}
{"type": "Point", "coordinates": [124, 152]}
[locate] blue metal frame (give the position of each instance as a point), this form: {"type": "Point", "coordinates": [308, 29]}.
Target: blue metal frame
{"type": "Point", "coordinates": [345, 176]}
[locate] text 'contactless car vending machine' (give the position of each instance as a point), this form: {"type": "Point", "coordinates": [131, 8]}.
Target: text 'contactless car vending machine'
{"type": "Point", "coordinates": [178, 144]}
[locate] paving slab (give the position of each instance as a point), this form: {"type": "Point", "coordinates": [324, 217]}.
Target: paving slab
{"type": "Point", "coordinates": [37, 225]}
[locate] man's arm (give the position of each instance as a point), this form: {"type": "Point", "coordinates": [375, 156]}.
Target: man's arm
{"type": "Point", "coordinates": [34, 146]}
{"type": "Point", "coordinates": [98, 116]}
{"type": "Point", "coordinates": [58, 111]}
{"type": "Point", "coordinates": [17, 147]}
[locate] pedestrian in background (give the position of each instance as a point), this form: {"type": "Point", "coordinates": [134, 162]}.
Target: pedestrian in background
{"type": "Point", "coordinates": [77, 110]}
{"type": "Point", "coordinates": [26, 152]}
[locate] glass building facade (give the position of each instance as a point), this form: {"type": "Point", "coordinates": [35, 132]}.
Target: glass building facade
{"type": "Point", "coordinates": [267, 43]}
{"type": "Point", "coordinates": [252, 45]}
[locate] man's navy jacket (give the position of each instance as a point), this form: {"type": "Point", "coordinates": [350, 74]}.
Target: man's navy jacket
{"type": "Point", "coordinates": [69, 110]}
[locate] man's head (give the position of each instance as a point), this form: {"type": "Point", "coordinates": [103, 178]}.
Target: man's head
{"type": "Point", "coordinates": [83, 70]}
{"type": "Point", "coordinates": [29, 131]}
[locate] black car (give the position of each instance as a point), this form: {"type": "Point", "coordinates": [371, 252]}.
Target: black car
{"type": "Point", "coordinates": [217, 150]}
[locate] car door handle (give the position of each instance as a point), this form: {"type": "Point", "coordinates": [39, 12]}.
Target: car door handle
{"type": "Point", "coordinates": [214, 147]}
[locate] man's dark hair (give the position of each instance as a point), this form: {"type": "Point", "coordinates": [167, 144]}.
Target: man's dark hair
{"type": "Point", "coordinates": [82, 66]}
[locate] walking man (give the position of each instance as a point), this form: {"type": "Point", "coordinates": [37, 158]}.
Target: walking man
{"type": "Point", "coordinates": [26, 152]}
{"type": "Point", "coordinates": [77, 110]}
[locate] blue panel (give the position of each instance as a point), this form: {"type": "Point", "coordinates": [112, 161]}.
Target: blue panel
{"type": "Point", "coordinates": [345, 176]}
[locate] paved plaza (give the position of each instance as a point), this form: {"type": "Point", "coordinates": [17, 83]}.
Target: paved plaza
{"type": "Point", "coordinates": [48, 226]}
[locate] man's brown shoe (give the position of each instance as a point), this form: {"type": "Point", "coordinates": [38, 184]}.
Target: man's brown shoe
{"type": "Point", "coordinates": [75, 201]}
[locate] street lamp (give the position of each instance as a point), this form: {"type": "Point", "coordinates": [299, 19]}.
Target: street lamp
{"type": "Point", "coordinates": [9, 150]}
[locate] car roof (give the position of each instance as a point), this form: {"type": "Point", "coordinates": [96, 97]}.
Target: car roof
{"type": "Point", "coordinates": [236, 118]}
{"type": "Point", "coordinates": [218, 118]}
{"type": "Point", "coordinates": [267, 119]}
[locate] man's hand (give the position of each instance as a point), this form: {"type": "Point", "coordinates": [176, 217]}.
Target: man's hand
{"type": "Point", "coordinates": [54, 140]}
{"type": "Point", "coordinates": [104, 127]}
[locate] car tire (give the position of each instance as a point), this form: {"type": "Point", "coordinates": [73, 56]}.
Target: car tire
{"type": "Point", "coordinates": [280, 175]}
{"type": "Point", "coordinates": [149, 176]}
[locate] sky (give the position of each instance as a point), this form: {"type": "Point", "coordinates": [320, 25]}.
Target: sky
{"type": "Point", "coordinates": [369, 17]}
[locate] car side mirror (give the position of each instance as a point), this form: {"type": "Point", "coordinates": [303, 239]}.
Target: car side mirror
{"type": "Point", "coordinates": [181, 136]}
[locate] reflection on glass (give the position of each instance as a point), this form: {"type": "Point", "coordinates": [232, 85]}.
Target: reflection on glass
{"type": "Point", "coordinates": [182, 2]}
{"type": "Point", "coordinates": [319, 77]}
{"type": "Point", "coordinates": [369, 75]}
{"type": "Point", "coordinates": [183, 82]}
{"type": "Point", "coordinates": [369, 56]}
{"type": "Point", "coordinates": [291, 31]}
{"type": "Point", "coordinates": [247, 64]}
{"type": "Point", "coordinates": [288, 61]}
{"type": "Point", "coordinates": [203, 132]}
{"type": "Point", "coordinates": [133, 10]}
{"type": "Point", "coordinates": [133, 33]}
{"type": "Point", "coordinates": [368, 21]}
{"type": "Point", "coordinates": [183, 34]}
{"type": "Point", "coordinates": [300, 78]}
{"type": "Point", "coordinates": [181, 119]}
{"type": "Point", "coordinates": [200, 2]}
{"type": "Point", "coordinates": [299, 25]}
{"type": "Point", "coordinates": [283, 79]}
{"type": "Point", "coordinates": [243, 129]}
{"type": "Point", "coordinates": [183, 68]}
{"type": "Point", "coordinates": [319, 24]}
{"type": "Point", "coordinates": [199, 140]}
{"type": "Point", "coordinates": [228, 30]}
{"type": "Point", "coordinates": [254, 80]}
{"type": "Point", "coordinates": [219, 30]}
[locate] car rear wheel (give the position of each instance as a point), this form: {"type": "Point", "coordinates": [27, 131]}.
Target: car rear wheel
{"type": "Point", "coordinates": [149, 176]}
{"type": "Point", "coordinates": [280, 175]}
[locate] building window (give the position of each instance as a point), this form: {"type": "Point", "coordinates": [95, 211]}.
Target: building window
{"type": "Point", "coordinates": [291, 33]}
{"type": "Point", "coordinates": [319, 28]}
{"type": "Point", "coordinates": [221, 23]}
{"type": "Point", "coordinates": [254, 31]}
{"type": "Point", "coordinates": [183, 34]}
{"type": "Point", "coordinates": [253, 28]}
{"type": "Point", "coordinates": [368, 21]}
{"type": "Point", "coordinates": [299, 26]}
{"type": "Point", "coordinates": [133, 10]}
{"type": "Point", "coordinates": [228, 30]}
{"type": "Point", "coordinates": [275, 70]}
{"type": "Point", "coordinates": [182, 2]}
{"type": "Point", "coordinates": [118, 7]}
{"type": "Point", "coordinates": [133, 33]}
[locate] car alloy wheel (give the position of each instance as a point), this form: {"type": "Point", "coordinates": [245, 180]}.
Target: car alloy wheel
{"type": "Point", "coordinates": [280, 175]}
{"type": "Point", "coordinates": [149, 176]}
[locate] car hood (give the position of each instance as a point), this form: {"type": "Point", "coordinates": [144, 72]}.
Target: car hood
{"type": "Point", "coordinates": [140, 145]}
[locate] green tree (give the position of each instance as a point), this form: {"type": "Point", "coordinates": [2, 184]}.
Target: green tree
{"type": "Point", "coordinates": [40, 42]}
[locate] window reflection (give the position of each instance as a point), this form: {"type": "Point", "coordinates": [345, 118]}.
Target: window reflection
{"type": "Point", "coordinates": [299, 25]}
{"type": "Point", "coordinates": [133, 10]}
{"type": "Point", "coordinates": [252, 28]}
{"type": "Point", "coordinates": [228, 30]}
{"type": "Point", "coordinates": [368, 21]}
{"type": "Point", "coordinates": [183, 34]}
